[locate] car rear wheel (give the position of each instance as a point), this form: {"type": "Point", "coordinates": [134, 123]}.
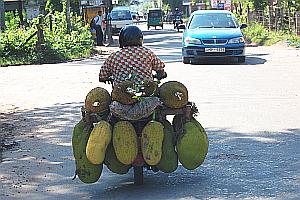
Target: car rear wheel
{"type": "Point", "coordinates": [186, 60]}
{"type": "Point", "coordinates": [241, 59]}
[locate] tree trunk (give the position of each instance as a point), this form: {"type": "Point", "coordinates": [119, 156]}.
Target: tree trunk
{"type": "Point", "coordinates": [271, 19]}
{"type": "Point", "coordinates": [68, 16]}
{"type": "Point", "coordinates": [40, 35]}
{"type": "Point", "coordinates": [297, 16]}
{"type": "Point", "coordinates": [20, 12]}
{"type": "Point", "coordinates": [42, 7]}
{"type": "Point", "coordinates": [2, 20]}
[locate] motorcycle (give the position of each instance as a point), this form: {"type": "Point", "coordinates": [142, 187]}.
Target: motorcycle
{"type": "Point", "coordinates": [186, 113]}
{"type": "Point", "coordinates": [178, 22]}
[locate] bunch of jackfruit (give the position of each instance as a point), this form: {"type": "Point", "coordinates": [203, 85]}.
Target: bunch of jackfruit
{"type": "Point", "coordinates": [172, 93]}
{"type": "Point", "coordinates": [117, 146]}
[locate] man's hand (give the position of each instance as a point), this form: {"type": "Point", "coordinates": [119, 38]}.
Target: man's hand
{"type": "Point", "coordinates": [106, 80]}
{"type": "Point", "coordinates": [160, 75]}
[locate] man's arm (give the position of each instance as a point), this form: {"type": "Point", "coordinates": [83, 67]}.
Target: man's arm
{"type": "Point", "coordinates": [158, 65]}
{"type": "Point", "coordinates": [105, 80]}
{"type": "Point", "coordinates": [105, 72]}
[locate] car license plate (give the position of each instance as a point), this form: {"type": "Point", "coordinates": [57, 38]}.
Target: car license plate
{"type": "Point", "coordinates": [209, 50]}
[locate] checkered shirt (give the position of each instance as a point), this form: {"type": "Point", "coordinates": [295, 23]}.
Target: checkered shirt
{"type": "Point", "coordinates": [136, 63]}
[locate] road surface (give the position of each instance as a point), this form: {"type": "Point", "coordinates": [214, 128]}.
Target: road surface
{"type": "Point", "coordinates": [250, 112]}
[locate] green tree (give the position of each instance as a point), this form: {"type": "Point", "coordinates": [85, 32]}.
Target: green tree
{"type": "Point", "coordinates": [174, 4]}
{"type": "Point", "coordinates": [147, 6]}
{"type": "Point", "coordinates": [57, 5]}
{"type": "Point", "coordinates": [260, 4]}
{"type": "Point", "coordinates": [166, 8]}
{"type": "Point", "coordinates": [54, 5]}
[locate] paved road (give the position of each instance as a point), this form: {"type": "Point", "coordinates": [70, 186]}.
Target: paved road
{"type": "Point", "coordinates": [250, 112]}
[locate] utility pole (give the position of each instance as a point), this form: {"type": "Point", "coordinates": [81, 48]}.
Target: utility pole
{"type": "Point", "coordinates": [2, 15]}
{"type": "Point", "coordinates": [108, 4]}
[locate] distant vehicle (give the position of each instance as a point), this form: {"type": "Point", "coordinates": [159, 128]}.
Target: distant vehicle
{"type": "Point", "coordinates": [178, 22]}
{"type": "Point", "coordinates": [213, 33]}
{"type": "Point", "coordinates": [155, 18]}
{"type": "Point", "coordinates": [120, 17]}
{"type": "Point", "coordinates": [135, 15]}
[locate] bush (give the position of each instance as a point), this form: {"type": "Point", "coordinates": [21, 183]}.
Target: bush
{"type": "Point", "coordinates": [256, 33]}
{"type": "Point", "coordinates": [16, 47]}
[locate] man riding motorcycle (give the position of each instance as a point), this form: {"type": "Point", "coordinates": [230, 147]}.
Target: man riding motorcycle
{"type": "Point", "coordinates": [177, 18]}
{"type": "Point", "coordinates": [133, 60]}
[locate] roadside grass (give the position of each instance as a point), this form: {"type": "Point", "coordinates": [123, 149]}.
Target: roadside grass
{"type": "Point", "coordinates": [19, 45]}
{"type": "Point", "coordinates": [7, 61]}
{"type": "Point", "coordinates": [256, 33]}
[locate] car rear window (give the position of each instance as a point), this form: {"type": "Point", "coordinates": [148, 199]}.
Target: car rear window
{"type": "Point", "coordinates": [121, 15]}
{"type": "Point", "coordinates": [213, 20]}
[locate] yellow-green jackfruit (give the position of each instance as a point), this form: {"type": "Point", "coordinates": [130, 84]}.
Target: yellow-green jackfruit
{"type": "Point", "coordinates": [97, 100]}
{"type": "Point", "coordinates": [173, 94]}
{"type": "Point", "coordinates": [151, 142]}
{"type": "Point", "coordinates": [125, 142]}
{"type": "Point", "coordinates": [112, 162]}
{"type": "Point", "coordinates": [98, 142]}
{"type": "Point", "coordinates": [192, 146]}
{"type": "Point", "coordinates": [169, 159]}
{"type": "Point", "coordinates": [85, 170]}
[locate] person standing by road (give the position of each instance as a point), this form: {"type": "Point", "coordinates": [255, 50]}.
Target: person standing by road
{"type": "Point", "coordinates": [98, 28]}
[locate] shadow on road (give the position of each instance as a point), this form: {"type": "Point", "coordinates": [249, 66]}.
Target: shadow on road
{"type": "Point", "coordinates": [159, 31]}
{"type": "Point", "coordinates": [250, 60]}
{"type": "Point", "coordinates": [238, 165]}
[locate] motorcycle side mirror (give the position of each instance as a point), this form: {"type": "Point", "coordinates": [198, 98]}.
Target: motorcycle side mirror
{"type": "Point", "coordinates": [243, 26]}
{"type": "Point", "coordinates": [181, 26]}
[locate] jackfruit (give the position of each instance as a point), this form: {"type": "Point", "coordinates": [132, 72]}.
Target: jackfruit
{"type": "Point", "coordinates": [169, 159]}
{"type": "Point", "coordinates": [122, 94]}
{"type": "Point", "coordinates": [85, 170]}
{"type": "Point", "coordinates": [112, 162]}
{"type": "Point", "coordinates": [150, 88]}
{"type": "Point", "coordinates": [97, 100]}
{"type": "Point", "coordinates": [125, 142]}
{"type": "Point", "coordinates": [192, 146]}
{"type": "Point", "coordinates": [193, 120]}
{"type": "Point", "coordinates": [98, 142]}
{"type": "Point", "coordinates": [151, 142]}
{"type": "Point", "coordinates": [173, 94]}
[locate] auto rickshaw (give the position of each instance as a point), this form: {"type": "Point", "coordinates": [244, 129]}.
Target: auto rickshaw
{"type": "Point", "coordinates": [155, 18]}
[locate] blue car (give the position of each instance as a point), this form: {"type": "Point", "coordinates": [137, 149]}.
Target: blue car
{"type": "Point", "coordinates": [213, 34]}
